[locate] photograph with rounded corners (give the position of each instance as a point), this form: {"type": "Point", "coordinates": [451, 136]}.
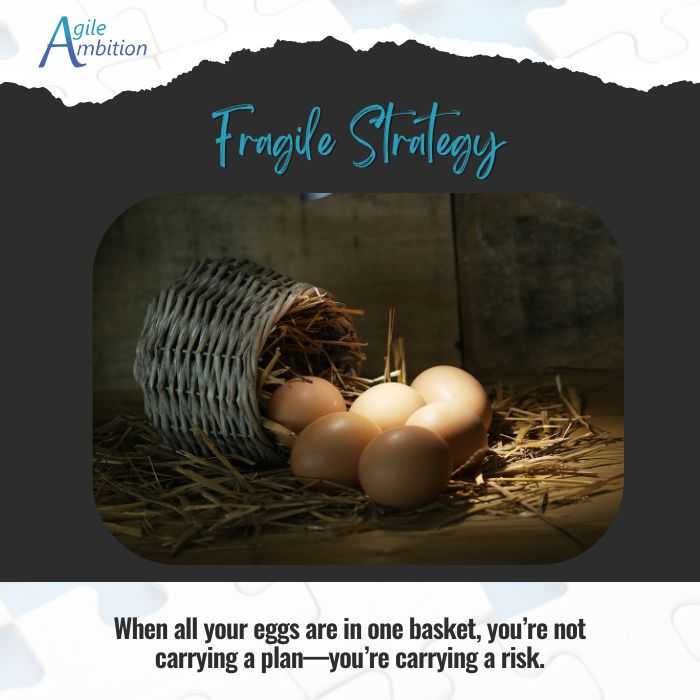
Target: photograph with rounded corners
{"type": "Point", "coordinates": [317, 378]}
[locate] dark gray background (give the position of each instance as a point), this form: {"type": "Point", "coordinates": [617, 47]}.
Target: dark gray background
{"type": "Point", "coordinates": [70, 172]}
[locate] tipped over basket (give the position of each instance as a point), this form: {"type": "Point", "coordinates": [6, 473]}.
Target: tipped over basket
{"type": "Point", "coordinates": [214, 339]}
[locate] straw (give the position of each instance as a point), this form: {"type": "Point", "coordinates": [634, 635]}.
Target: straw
{"type": "Point", "coordinates": [535, 465]}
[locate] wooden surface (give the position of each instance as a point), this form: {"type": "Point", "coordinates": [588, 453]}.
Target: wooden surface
{"type": "Point", "coordinates": [540, 282]}
{"type": "Point", "coordinates": [478, 540]}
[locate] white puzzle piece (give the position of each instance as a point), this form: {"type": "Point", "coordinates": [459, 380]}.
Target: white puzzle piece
{"type": "Point", "coordinates": [500, 21]}
{"type": "Point", "coordinates": [629, 629]}
{"type": "Point", "coordinates": [19, 667]}
{"type": "Point", "coordinates": [579, 24]}
{"type": "Point", "coordinates": [81, 658]}
{"type": "Point", "coordinates": [8, 43]}
{"type": "Point", "coordinates": [20, 600]}
{"type": "Point", "coordinates": [686, 623]}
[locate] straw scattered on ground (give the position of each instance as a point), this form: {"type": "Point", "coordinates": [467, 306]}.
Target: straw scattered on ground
{"type": "Point", "coordinates": [543, 454]}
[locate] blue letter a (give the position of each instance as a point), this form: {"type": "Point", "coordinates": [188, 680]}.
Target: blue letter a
{"type": "Point", "coordinates": [63, 22]}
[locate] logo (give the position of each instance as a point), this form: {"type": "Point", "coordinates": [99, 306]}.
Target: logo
{"type": "Point", "coordinates": [87, 40]}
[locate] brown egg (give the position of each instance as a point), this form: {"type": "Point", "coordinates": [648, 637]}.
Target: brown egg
{"type": "Point", "coordinates": [444, 383]}
{"type": "Point", "coordinates": [406, 467]}
{"type": "Point", "coordinates": [331, 446]}
{"type": "Point", "coordinates": [299, 402]}
{"type": "Point", "coordinates": [462, 430]}
{"type": "Point", "coordinates": [388, 405]}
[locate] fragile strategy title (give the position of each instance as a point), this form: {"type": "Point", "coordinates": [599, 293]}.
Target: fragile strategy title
{"type": "Point", "coordinates": [380, 133]}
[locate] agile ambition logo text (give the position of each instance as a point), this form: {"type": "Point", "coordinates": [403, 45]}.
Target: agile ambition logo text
{"type": "Point", "coordinates": [86, 40]}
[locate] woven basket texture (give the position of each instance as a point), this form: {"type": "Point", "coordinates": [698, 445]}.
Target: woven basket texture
{"type": "Point", "coordinates": [197, 357]}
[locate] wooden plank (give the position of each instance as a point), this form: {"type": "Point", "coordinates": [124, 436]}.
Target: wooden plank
{"type": "Point", "coordinates": [540, 284]}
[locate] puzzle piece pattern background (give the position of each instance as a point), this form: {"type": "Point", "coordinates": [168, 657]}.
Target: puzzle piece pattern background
{"type": "Point", "coordinates": [56, 640]}
{"type": "Point", "coordinates": [634, 43]}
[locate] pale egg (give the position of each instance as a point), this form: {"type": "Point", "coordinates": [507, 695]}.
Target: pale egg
{"type": "Point", "coordinates": [444, 383]}
{"type": "Point", "coordinates": [331, 446]}
{"type": "Point", "coordinates": [389, 405]}
{"type": "Point", "coordinates": [461, 429]}
{"type": "Point", "coordinates": [299, 402]}
{"type": "Point", "coordinates": [405, 467]}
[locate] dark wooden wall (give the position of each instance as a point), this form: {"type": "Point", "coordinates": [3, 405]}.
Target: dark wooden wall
{"type": "Point", "coordinates": [540, 282]}
{"type": "Point", "coordinates": [521, 283]}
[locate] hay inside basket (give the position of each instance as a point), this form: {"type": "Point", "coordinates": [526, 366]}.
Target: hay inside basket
{"type": "Point", "coordinates": [543, 454]}
{"type": "Point", "coordinates": [315, 337]}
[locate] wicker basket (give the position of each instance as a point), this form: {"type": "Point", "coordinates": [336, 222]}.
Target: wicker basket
{"type": "Point", "coordinates": [197, 357]}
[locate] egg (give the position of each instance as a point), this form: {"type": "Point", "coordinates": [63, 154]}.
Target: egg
{"type": "Point", "coordinates": [389, 405]}
{"type": "Point", "coordinates": [461, 429]}
{"type": "Point", "coordinates": [444, 383]}
{"type": "Point", "coordinates": [405, 467]}
{"type": "Point", "coordinates": [299, 402]}
{"type": "Point", "coordinates": [331, 446]}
